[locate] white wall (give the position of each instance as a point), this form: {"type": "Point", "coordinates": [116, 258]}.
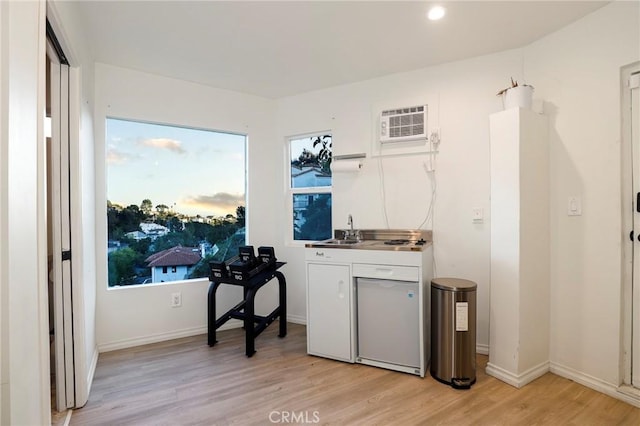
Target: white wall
{"type": "Point", "coordinates": [134, 315]}
{"type": "Point", "coordinates": [23, 261]}
{"type": "Point", "coordinates": [577, 71]}
{"type": "Point", "coordinates": [461, 96]}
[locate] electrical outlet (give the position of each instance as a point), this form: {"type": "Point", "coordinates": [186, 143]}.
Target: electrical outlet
{"type": "Point", "coordinates": [176, 300]}
{"type": "Point", "coordinates": [574, 205]}
{"type": "Point", "coordinates": [477, 215]}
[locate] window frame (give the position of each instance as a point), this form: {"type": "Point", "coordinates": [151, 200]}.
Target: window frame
{"type": "Point", "coordinates": [310, 190]}
{"type": "Point", "coordinates": [108, 117]}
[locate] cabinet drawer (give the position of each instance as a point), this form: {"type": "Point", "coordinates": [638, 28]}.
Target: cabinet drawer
{"type": "Point", "coordinates": [387, 272]}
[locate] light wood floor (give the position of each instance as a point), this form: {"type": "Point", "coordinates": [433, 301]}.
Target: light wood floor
{"type": "Point", "coordinates": [184, 382]}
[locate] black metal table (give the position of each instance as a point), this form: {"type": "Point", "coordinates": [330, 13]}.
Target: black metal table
{"type": "Point", "coordinates": [245, 310]}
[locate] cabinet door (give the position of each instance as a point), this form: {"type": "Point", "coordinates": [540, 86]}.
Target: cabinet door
{"type": "Point", "coordinates": [329, 311]}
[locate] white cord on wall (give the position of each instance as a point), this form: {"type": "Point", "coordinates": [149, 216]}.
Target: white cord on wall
{"type": "Point", "coordinates": [382, 193]}
{"type": "Point", "coordinates": [429, 216]}
{"type": "Point", "coordinates": [431, 173]}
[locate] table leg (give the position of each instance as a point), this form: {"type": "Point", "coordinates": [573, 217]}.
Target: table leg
{"type": "Point", "coordinates": [282, 292]}
{"type": "Point", "coordinates": [249, 322]}
{"type": "Point", "coordinates": [211, 313]}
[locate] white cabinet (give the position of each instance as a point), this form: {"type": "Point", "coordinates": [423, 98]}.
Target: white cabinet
{"type": "Point", "coordinates": [329, 311]}
{"type": "Point", "coordinates": [331, 300]}
{"type": "Point", "coordinates": [519, 319]}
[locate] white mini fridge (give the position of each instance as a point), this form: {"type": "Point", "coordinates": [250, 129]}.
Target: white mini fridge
{"type": "Point", "coordinates": [388, 321]}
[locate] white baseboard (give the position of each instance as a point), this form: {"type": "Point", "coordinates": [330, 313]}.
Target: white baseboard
{"type": "Point", "coordinates": [619, 392]}
{"type": "Point", "coordinates": [482, 349]}
{"type": "Point", "coordinates": [297, 319]}
{"type": "Point", "coordinates": [517, 380]}
{"type": "Point", "coordinates": [177, 334]}
{"type": "Point", "coordinates": [92, 369]}
{"type": "Point", "coordinates": [161, 337]}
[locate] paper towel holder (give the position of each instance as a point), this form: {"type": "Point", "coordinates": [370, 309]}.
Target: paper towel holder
{"type": "Point", "coordinates": [348, 163]}
{"type": "Point", "coordinates": [349, 156]}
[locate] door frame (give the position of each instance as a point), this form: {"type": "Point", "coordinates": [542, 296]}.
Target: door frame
{"type": "Point", "coordinates": [84, 367]}
{"type": "Point", "coordinates": [627, 204]}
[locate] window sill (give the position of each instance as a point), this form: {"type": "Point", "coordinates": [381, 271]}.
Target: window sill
{"type": "Point", "coordinates": [165, 284]}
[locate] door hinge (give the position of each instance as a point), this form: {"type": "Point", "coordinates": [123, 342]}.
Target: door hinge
{"type": "Point", "coordinates": [66, 255]}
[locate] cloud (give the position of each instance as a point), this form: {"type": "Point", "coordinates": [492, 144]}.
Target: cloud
{"type": "Point", "coordinates": [219, 201]}
{"type": "Point", "coordinates": [164, 143]}
{"type": "Point", "coordinates": [117, 157]}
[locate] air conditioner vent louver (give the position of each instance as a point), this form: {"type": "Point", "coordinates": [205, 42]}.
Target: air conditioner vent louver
{"type": "Point", "coordinates": [403, 124]}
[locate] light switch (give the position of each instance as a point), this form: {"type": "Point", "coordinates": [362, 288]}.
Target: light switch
{"type": "Point", "coordinates": [574, 206]}
{"type": "Point", "coordinates": [477, 215]}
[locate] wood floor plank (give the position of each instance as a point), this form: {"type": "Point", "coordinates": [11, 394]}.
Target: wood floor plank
{"type": "Point", "coordinates": [185, 382]}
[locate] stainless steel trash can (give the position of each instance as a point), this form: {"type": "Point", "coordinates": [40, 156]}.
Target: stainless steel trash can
{"type": "Point", "coordinates": [453, 331]}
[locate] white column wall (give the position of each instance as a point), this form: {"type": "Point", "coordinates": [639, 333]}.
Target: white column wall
{"type": "Point", "coordinates": [23, 257]}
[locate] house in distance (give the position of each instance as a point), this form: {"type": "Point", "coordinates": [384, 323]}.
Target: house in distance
{"type": "Point", "coordinates": [173, 264]}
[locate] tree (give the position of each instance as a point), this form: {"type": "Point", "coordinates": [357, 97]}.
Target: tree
{"type": "Point", "coordinates": [201, 270]}
{"type": "Point", "coordinates": [140, 246]}
{"type": "Point", "coordinates": [172, 239]}
{"type": "Point", "coordinates": [147, 207]}
{"type": "Point", "coordinates": [199, 230]}
{"type": "Point", "coordinates": [240, 218]}
{"type": "Point", "coordinates": [305, 158]}
{"type": "Point", "coordinates": [112, 220]}
{"type": "Point", "coordinates": [317, 216]}
{"type": "Point", "coordinates": [174, 224]}
{"type": "Point", "coordinates": [324, 156]}
{"type": "Point", "coordinates": [122, 266]}
{"type": "Point", "coordinates": [121, 221]}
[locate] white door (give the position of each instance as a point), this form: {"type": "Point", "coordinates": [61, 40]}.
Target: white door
{"type": "Point", "coordinates": [329, 311]}
{"type": "Point", "coordinates": [633, 97]}
{"type": "Point", "coordinates": [388, 321]}
{"type": "Point", "coordinates": [60, 234]}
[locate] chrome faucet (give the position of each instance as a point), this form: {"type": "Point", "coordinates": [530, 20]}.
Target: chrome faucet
{"type": "Point", "coordinates": [350, 232]}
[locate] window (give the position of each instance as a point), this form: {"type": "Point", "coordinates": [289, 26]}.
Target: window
{"type": "Point", "coordinates": [310, 186]}
{"type": "Point", "coordinates": [175, 201]}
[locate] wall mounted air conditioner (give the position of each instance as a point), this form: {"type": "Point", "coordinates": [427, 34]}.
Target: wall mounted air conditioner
{"type": "Point", "coordinates": [403, 124]}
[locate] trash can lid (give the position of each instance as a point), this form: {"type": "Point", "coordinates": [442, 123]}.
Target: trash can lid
{"type": "Point", "coordinates": [453, 284]}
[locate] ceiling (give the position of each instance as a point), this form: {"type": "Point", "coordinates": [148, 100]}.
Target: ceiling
{"type": "Point", "coordinates": [281, 48]}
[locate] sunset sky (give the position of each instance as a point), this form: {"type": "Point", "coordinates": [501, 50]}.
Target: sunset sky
{"type": "Point", "coordinates": [194, 171]}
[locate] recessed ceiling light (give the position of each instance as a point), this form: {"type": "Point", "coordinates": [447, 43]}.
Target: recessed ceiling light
{"type": "Point", "coordinates": [436, 12]}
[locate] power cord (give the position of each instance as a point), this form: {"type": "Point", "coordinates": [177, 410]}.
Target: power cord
{"type": "Point", "coordinates": [382, 193]}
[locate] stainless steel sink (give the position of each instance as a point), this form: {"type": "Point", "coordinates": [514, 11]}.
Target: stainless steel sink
{"type": "Point", "coordinates": [377, 239]}
{"type": "Point", "coordinates": [336, 242]}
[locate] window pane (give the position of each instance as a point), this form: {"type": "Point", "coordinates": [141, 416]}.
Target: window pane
{"type": "Point", "coordinates": [311, 216]}
{"type": "Point", "coordinates": [310, 165]}
{"type": "Point", "coordinates": [176, 200]}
